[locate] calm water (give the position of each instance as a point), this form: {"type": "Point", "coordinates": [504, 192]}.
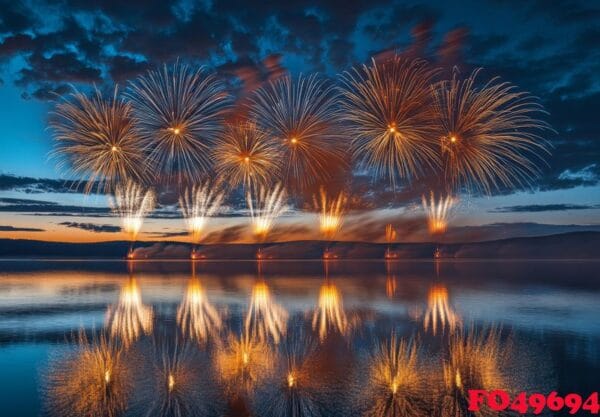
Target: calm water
{"type": "Point", "coordinates": [291, 338]}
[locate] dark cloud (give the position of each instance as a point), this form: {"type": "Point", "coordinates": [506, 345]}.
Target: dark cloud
{"type": "Point", "coordinates": [96, 228]}
{"type": "Point", "coordinates": [166, 234]}
{"type": "Point", "coordinates": [19, 229]}
{"type": "Point", "coordinates": [31, 185]}
{"type": "Point", "coordinates": [535, 208]}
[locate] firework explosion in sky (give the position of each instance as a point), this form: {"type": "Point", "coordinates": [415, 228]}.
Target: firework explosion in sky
{"type": "Point", "coordinates": [385, 111]}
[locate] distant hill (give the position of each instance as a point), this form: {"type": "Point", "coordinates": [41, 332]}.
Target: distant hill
{"type": "Point", "coordinates": [577, 245]}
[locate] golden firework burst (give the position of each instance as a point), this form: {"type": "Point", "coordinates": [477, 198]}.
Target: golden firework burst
{"type": "Point", "coordinates": [490, 135]}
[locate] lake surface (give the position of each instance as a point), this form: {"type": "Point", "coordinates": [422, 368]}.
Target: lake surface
{"type": "Point", "coordinates": [291, 338]}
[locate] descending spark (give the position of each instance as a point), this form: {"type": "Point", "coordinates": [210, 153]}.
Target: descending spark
{"type": "Point", "coordinates": [180, 110]}
{"type": "Point", "coordinates": [132, 203]}
{"type": "Point", "coordinates": [197, 205]}
{"type": "Point", "coordinates": [395, 382]}
{"type": "Point", "coordinates": [329, 315]}
{"type": "Point", "coordinates": [438, 212]}
{"type": "Point", "coordinates": [265, 207]}
{"type": "Point", "coordinates": [178, 385]}
{"type": "Point", "coordinates": [243, 361]}
{"type": "Point", "coordinates": [474, 361]}
{"type": "Point", "coordinates": [387, 107]}
{"type": "Point", "coordinates": [246, 155]}
{"type": "Point", "coordinates": [301, 114]}
{"type": "Point", "coordinates": [96, 136]}
{"type": "Point", "coordinates": [331, 213]}
{"type": "Point", "coordinates": [439, 314]}
{"type": "Point", "coordinates": [91, 381]}
{"type": "Point", "coordinates": [265, 319]}
{"type": "Point", "coordinates": [196, 317]}
{"type": "Point", "coordinates": [129, 318]}
{"type": "Point", "coordinates": [490, 137]}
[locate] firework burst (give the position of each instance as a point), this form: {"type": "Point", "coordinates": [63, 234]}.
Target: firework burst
{"type": "Point", "coordinates": [395, 382]}
{"type": "Point", "coordinates": [439, 314]}
{"type": "Point", "coordinates": [96, 137]}
{"type": "Point", "coordinates": [329, 315]}
{"type": "Point", "coordinates": [243, 362]}
{"type": "Point", "coordinates": [197, 205]}
{"type": "Point", "coordinates": [474, 362]}
{"type": "Point", "coordinates": [301, 115]}
{"type": "Point", "coordinates": [489, 135]}
{"type": "Point", "coordinates": [245, 155]}
{"type": "Point", "coordinates": [265, 208]}
{"type": "Point", "coordinates": [196, 317]}
{"type": "Point", "coordinates": [331, 213]}
{"type": "Point", "coordinates": [178, 382]}
{"type": "Point", "coordinates": [265, 319]}
{"type": "Point", "coordinates": [387, 108]}
{"type": "Point", "coordinates": [91, 381]}
{"type": "Point", "coordinates": [291, 390]}
{"type": "Point", "coordinates": [132, 203]}
{"type": "Point", "coordinates": [129, 318]}
{"type": "Point", "coordinates": [438, 212]}
{"type": "Point", "coordinates": [180, 110]}
{"type": "Point", "coordinates": [390, 234]}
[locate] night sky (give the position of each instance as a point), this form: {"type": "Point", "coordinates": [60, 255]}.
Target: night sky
{"type": "Point", "coordinates": [549, 48]}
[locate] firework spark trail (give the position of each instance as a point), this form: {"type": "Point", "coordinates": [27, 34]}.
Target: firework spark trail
{"type": "Point", "coordinates": [301, 115]}
{"type": "Point", "coordinates": [387, 107]}
{"type": "Point", "coordinates": [475, 361]}
{"type": "Point", "coordinates": [197, 205]}
{"type": "Point", "coordinates": [265, 208]}
{"type": "Point", "coordinates": [196, 317]}
{"type": "Point", "coordinates": [92, 381]}
{"type": "Point", "coordinates": [390, 234]}
{"type": "Point", "coordinates": [243, 361]}
{"type": "Point", "coordinates": [180, 110]}
{"type": "Point", "coordinates": [132, 203]}
{"type": "Point", "coordinates": [331, 213]}
{"type": "Point", "coordinates": [130, 318]}
{"type": "Point", "coordinates": [438, 212]}
{"type": "Point", "coordinates": [329, 315]}
{"type": "Point", "coordinates": [265, 319]}
{"type": "Point", "coordinates": [490, 137]}
{"type": "Point", "coordinates": [395, 381]}
{"type": "Point", "coordinates": [97, 138]}
{"type": "Point", "coordinates": [439, 313]}
{"type": "Point", "coordinates": [246, 155]}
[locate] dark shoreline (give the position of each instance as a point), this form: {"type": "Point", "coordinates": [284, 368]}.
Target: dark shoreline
{"type": "Point", "coordinates": [577, 245]}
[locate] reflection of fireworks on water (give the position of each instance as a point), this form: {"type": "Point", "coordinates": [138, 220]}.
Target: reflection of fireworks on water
{"type": "Point", "coordinates": [387, 107]}
{"type": "Point", "coordinates": [395, 382]}
{"type": "Point", "coordinates": [178, 383]}
{"type": "Point", "coordinates": [132, 203]}
{"type": "Point", "coordinates": [91, 381]}
{"type": "Point", "coordinates": [390, 281]}
{"type": "Point", "coordinates": [243, 361]}
{"type": "Point", "coordinates": [438, 212]}
{"type": "Point", "coordinates": [439, 314]}
{"type": "Point", "coordinates": [301, 115]}
{"type": "Point", "coordinates": [331, 213]}
{"type": "Point", "coordinates": [265, 208]}
{"type": "Point", "coordinates": [130, 318]}
{"type": "Point", "coordinates": [265, 319]}
{"type": "Point", "coordinates": [179, 109]}
{"type": "Point", "coordinates": [245, 155]}
{"type": "Point", "coordinates": [97, 137]}
{"type": "Point", "coordinates": [488, 133]}
{"type": "Point", "coordinates": [474, 362]}
{"type": "Point", "coordinates": [196, 317]}
{"type": "Point", "coordinates": [197, 205]}
{"type": "Point", "coordinates": [291, 389]}
{"type": "Point", "coordinates": [329, 315]}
